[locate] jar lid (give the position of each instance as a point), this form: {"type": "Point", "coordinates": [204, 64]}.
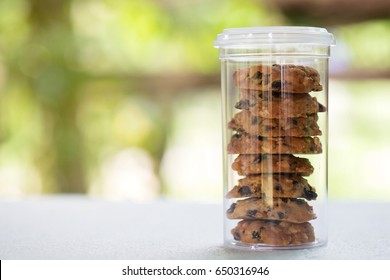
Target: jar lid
{"type": "Point", "coordinates": [250, 36]}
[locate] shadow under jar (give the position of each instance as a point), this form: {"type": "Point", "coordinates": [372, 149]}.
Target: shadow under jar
{"type": "Point", "coordinates": [275, 134]}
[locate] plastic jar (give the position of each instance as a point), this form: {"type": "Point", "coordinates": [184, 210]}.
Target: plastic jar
{"type": "Point", "coordinates": [275, 136]}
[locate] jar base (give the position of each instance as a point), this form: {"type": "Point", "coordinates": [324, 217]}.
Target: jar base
{"type": "Point", "coordinates": [267, 247]}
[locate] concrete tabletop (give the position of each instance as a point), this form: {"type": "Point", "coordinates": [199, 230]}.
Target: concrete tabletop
{"type": "Point", "coordinates": [77, 227]}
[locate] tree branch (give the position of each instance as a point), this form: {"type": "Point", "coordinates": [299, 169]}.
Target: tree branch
{"type": "Point", "coordinates": [332, 12]}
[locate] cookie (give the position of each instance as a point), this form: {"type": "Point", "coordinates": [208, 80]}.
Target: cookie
{"type": "Point", "coordinates": [273, 232]}
{"type": "Point", "coordinates": [264, 164]}
{"type": "Point", "coordinates": [255, 95]}
{"type": "Point", "coordinates": [249, 144]}
{"type": "Point", "coordinates": [292, 210]}
{"type": "Point", "coordinates": [273, 185]}
{"type": "Point", "coordinates": [245, 122]}
{"type": "Point", "coordinates": [279, 78]}
{"type": "Point", "coordinates": [279, 105]}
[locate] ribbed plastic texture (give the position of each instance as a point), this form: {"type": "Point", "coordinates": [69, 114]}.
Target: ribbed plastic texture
{"type": "Point", "coordinates": [249, 36]}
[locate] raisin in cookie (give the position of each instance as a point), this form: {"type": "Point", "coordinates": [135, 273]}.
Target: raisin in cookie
{"type": "Point", "coordinates": [249, 144]}
{"type": "Point", "coordinates": [263, 164]}
{"type": "Point", "coordinates": [279, 105]}
{"type": "Point", "coordinates": [273, 185]}
{"type": "Point", "coordinates": [273, 232]}
{"type": "Point", "coordinates": [245, 122]}
{"type": "Point", "coordinates": [292, 210]}
{"type": "Point", "coordinates": [280, 78]}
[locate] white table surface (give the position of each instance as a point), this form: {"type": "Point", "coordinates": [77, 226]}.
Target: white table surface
{"type": "Point", "coordinates": [76, 227]}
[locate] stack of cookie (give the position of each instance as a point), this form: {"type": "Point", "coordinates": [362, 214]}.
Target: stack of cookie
{"type": "Point", "coordinates": [278, 119]}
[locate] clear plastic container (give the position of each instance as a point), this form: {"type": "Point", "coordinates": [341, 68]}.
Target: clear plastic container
{"type": "Point", "coordinates": [275, 136]}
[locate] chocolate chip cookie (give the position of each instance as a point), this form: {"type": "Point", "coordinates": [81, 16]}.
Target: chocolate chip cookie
{"type": "Point", "coordinates": [245, 122]}
{"type": "Point", "coordinates": [278, 78]}
{"type": "Point", "coordinates": [249, 144]}
{"type": "Point", "coordinates": [273, 185]}
{"type": "Point", "coordinates": [292, 210]}
{"type": "Point", "coordinates": [279, 105]}
{"type": "Point", "coordinates": [273, 232]}
{"type": "Point", "coordinates": [264, 164]}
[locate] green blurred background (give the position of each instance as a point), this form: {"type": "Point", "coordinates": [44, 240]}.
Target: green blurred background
{"type": "Point", "coordinates": [120, 99]}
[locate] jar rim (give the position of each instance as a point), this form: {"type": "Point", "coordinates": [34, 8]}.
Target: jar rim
{"type": "Point", "coordinates": [267, 35]}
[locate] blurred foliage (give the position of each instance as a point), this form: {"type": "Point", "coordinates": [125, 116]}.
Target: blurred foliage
{"type": "Point", "coordinates": [359, 139]}
{"type": "Point", "coordinates": [71, 102]}
{"type": "Point", "coordinates": [67, 103]}
{"type": "Point", "coordinates": [157, 36]}
{"type": "Point", "coordinates": [369, 44]}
